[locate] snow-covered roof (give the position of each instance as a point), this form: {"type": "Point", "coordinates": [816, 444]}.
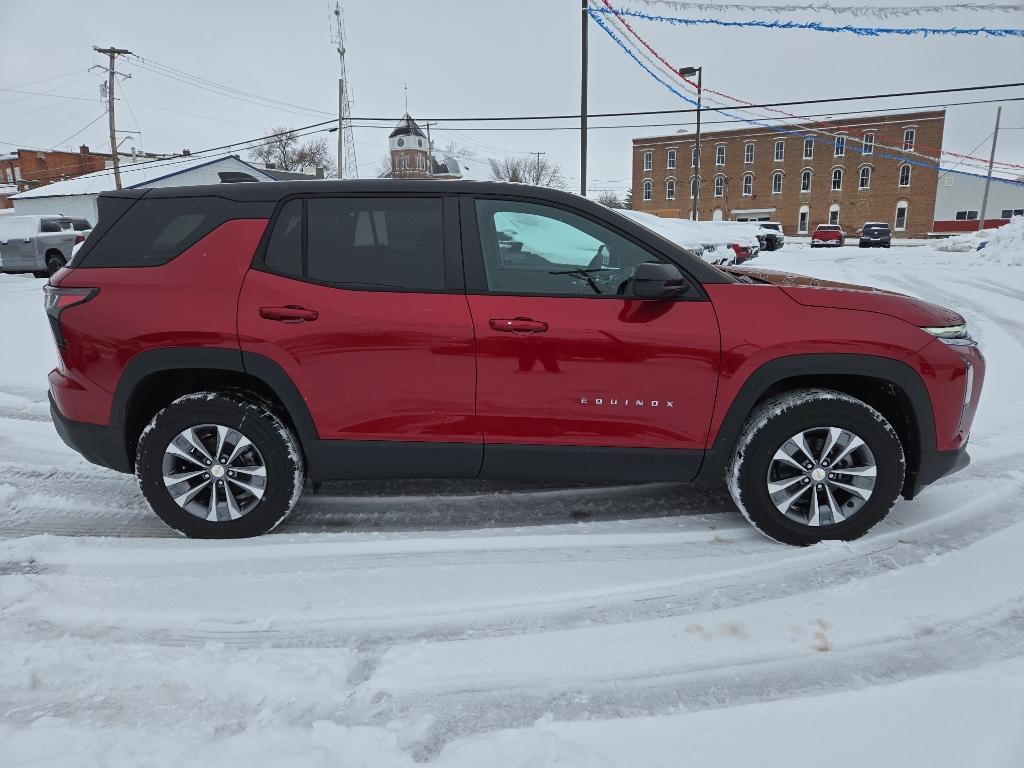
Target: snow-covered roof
{"type": "Point", "coordinates": [6, 190]}
{"type": "Point", "coordinates": [132, 176]}
{"type": "Point", "coordinates": [406, 127]}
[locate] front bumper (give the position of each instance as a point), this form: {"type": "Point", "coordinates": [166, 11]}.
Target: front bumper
{"type": "Point", "coordinates": [97, 443]}
{"type": "Point", "coordinates": [934, 466]}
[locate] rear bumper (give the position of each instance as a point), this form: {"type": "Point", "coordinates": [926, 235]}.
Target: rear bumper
{"type": "Point", "coordinates": [934, 466]}
{"type": "Point", "coordinates": [97, 443]}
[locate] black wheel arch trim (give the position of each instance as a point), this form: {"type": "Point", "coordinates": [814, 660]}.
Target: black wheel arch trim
{"type": "Point", "coordinates": [885, 369]}
{"type": "Point", "coordinates": [263, 368]}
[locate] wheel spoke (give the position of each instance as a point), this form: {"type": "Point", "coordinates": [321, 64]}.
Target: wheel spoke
{"type": "Point", "coordinates": [864, 493]}
{"type": "Point", "coordinates": [800, 441]}
{"type": "Point", "coordinates": [774, 486]}
{"type": "Point", "coordinates": [222, 433]}
{"type": "Point", "coordinates": [854, 444]}
{"type": "Point", "coordinates": [179, 477]}
{"type": "Point", "coordinates": [815, 513]}
{"type": "Point", "coordinates": [241, 445]}
{"type": "Point", "coordinates": [255, 490]}
{"type": "Point", "coordinates": [833, 437]}
{"type": "Point", "coordinates": [229, 497]}
{"type": "Point", "coordinates": [212, 514]}
{"type": "Point", "coordinates": [781, 455]}
{"type": "Point", "coordinates": [190, 493]}
{"type": "Point", "coordinates": [182, 453]}
{"type": "Point", "coordinates": [195, 442]}
{"type": "Point", "coordinates": [869, 471]}
{"type": "Point", "coordinates": [837, 514]}
{"type": "Point", "coordinates": [785, 505]}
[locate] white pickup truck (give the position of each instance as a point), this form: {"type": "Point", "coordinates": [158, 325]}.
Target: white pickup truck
{"type": "Point", "coordinates": [39, 244]}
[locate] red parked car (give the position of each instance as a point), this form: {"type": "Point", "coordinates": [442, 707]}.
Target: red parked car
{"type": "Point", "coordinates": [828, 236]}
{"type": "Point", "coordinates": [227, 343]}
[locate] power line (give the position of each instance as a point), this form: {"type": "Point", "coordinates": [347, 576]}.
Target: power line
{"type": "Point", "coordinates": [80, 130]}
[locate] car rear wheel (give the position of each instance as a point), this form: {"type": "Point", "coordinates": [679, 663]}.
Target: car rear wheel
{"type": "Point", "coordinates": [54, 263]}
{"type": "Point", "coordinates": [814, 465]}
{"type": "Point", "coordinates": [216, 465]}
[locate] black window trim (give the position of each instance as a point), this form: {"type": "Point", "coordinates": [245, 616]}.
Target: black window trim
{"type": "Point", "coordinates": [476, 276]}
{"type": "Point", "coordinates": [453, 272]}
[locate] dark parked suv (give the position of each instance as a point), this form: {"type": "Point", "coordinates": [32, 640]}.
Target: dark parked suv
{"type": "Point", "coordinates": [875, 235]}
{"type": "Point", "coordinates": [226, 343]}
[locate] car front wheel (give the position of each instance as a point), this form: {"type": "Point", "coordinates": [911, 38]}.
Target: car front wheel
{"type": "Point", "coordinates": [217, 465]}
{"type": "Point", "coordinates": [814, 465]}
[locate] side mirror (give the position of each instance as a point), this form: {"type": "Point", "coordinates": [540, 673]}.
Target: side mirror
{"type": "Point", "coordinates": [654, 280]}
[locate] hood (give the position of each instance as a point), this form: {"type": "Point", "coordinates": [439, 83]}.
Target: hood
{"type": "Point", "coordinates": [813, 292]}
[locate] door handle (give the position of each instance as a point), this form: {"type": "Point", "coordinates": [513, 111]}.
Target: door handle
{"type": "Point", "coordinates": [520, 325]}
{"type": "Point", "coordinates": [289, 314]}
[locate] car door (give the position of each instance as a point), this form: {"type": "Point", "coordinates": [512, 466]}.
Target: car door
{"type": "Point", "coordinates": [574, 377]}
{"type": "Point", "coordinates": [17, 243]}
{"type": "Point", "coordinates": [360, 300]}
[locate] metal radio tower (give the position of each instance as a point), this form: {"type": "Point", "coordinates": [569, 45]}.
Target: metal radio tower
{"type": "Point", "coordinates": [347, 168]}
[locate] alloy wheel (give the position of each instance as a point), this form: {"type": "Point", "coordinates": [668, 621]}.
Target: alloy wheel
{"type": "Point", "coordinates": [214, 472]}
{"type": "Point", "coordinates": [821, 476]}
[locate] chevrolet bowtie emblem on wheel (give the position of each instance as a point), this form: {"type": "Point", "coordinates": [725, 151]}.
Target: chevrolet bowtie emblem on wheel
{"type": "Point", "coordinates": [627, 402]}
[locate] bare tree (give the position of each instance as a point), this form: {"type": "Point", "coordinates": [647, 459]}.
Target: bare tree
{"type": "Point", "coordinates": [609, 199]}
{"type": "Point", "coordinates": [455, 149]}
{"type": "Point", "coordinates": [627, 201]}
{"type": "Point", "coordinates": [528, 169]}
{"type": "Point", "coordinates": [284, 151]}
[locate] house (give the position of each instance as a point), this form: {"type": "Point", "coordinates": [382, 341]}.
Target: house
{"type": "Point", "coordinates": [958, 202]}
{"type": "Point", "coordinates": [77, 196]}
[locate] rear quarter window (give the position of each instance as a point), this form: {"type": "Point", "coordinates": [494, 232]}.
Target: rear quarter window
{"type": "Point", "coordinates": [153, 232]}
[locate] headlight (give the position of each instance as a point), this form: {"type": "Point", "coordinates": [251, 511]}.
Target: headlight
{"type": "Point", "coordinates": [954, 335]}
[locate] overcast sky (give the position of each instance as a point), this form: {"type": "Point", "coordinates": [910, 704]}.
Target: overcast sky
{"type": "Point", "coordinates": [461, 58]}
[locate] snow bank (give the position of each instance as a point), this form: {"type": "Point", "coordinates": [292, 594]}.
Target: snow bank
{"type": "Point", "coordinates": [1004, 245]}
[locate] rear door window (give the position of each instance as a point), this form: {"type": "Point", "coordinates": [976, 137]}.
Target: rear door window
{"type": "Point", "coordinates": [376, 243]}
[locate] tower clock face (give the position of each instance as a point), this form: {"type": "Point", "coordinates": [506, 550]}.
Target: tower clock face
{"type": "Point", "coordinates": [401, 142]}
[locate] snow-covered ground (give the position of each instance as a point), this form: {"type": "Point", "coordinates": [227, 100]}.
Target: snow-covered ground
{"type": "Point", "coordinates": [474, 624]}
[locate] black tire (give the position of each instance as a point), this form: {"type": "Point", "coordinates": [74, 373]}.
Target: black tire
{"type": "Point", "coordinates": [278, 448]}
{"type": "Point", "coordinates": [41, 273]}
{"type": "Point", "coordinates": [773, 423]}
{"type": "Point", "coordinates": [54, 263]}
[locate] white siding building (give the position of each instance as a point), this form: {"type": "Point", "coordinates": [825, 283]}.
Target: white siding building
{"type": "Point", "coordinates": [77, 197]}
{"type": "Point", "coordinates": [958, 202]}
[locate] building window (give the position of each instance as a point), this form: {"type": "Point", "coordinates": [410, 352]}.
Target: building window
{"type": "Point", "coordinates": [1009, 213]}
{"type": "Point", "coordinates": [805, 181]}
{"type": "Point", "coordinates": [3, 175]}
{"type": "Point", "coordinates": [901, 216]}
{"type": "Point", "coordinates": [648, 161]}
{"type": "Point", "coordinates": [748, 184]}
{"type": "Point", "coordinates": [717, 215]}
{"type": "Point", "coordinates": [840, 146]}
{"type": "Point", "coordinates": [648, 189]}
{"type": "Point", "coordinates": [17, 172]}
{"type": "Point", "coordinates": [693, 187]}
{"type": "Point", "coordinates": [966, 215]}
{"type": "Point", "coordinates": [671, 159]}
{"type": "Point", "coordinates": [748, 153]}
{"type": "Point", "coordinates": [905, 175]}
{"type": "Point", "coordinates": [694, 158]}
{"type": "Point", "coordinates": [777, 183]}
{"type": "Point", "coordinates": [833, 214]}
{"type": "Point", "coordinates": [808, 149]}
{"type": "Point", "coordinates": [865, 177]}
{"type": "Point", "coordinates": [780, 151]}
{"type": "Point", "coordinates": [720, 154]}
{"type": "Point", "coordinates": [670, 189]}
{"type": "Point", "coordinates": [868, 148]}
{"type": "Point", "coordinates": [804, 220]}
{"type": "Point", "coordinates": [837, 180]}
{"type": "Point", "coordinates": [720, 188]}
{"type": "Point", "coordinates": [909, 138]}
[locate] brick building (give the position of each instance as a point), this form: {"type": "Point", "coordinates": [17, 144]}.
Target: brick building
{"type": "Point", "coordinates": [852, 173]}
{"type": "Point", "coordinates": [26, 169]}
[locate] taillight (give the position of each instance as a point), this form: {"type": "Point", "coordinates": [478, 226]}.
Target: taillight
{"type": "Point", "coordinates": [57, 300]}
{"type": "Point", "coordinates": [79, 239]}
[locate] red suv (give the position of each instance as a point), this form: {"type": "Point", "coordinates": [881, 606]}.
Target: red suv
{"type": "Point", "coordinates": [226, 343]}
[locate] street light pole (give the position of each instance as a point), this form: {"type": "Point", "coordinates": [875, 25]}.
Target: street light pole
{"type": "Point", "coordinates": [687, 72]}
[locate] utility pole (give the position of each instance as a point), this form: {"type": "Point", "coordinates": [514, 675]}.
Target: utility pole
{"type": "Point", "coordinates": [347, 166]}
{"type": "Point", "coordinates": [584, 18]}
{"type": "Point", "coordinates": [536, 175]}
{"type": "Point", "coordinates": [430, 145]}
{"type": "Point", "coordinates": [695, 189]}
{"type": "Point", "coordinates": [991, 161]}
{"type": "Point", "coordinates": [113, 53]}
